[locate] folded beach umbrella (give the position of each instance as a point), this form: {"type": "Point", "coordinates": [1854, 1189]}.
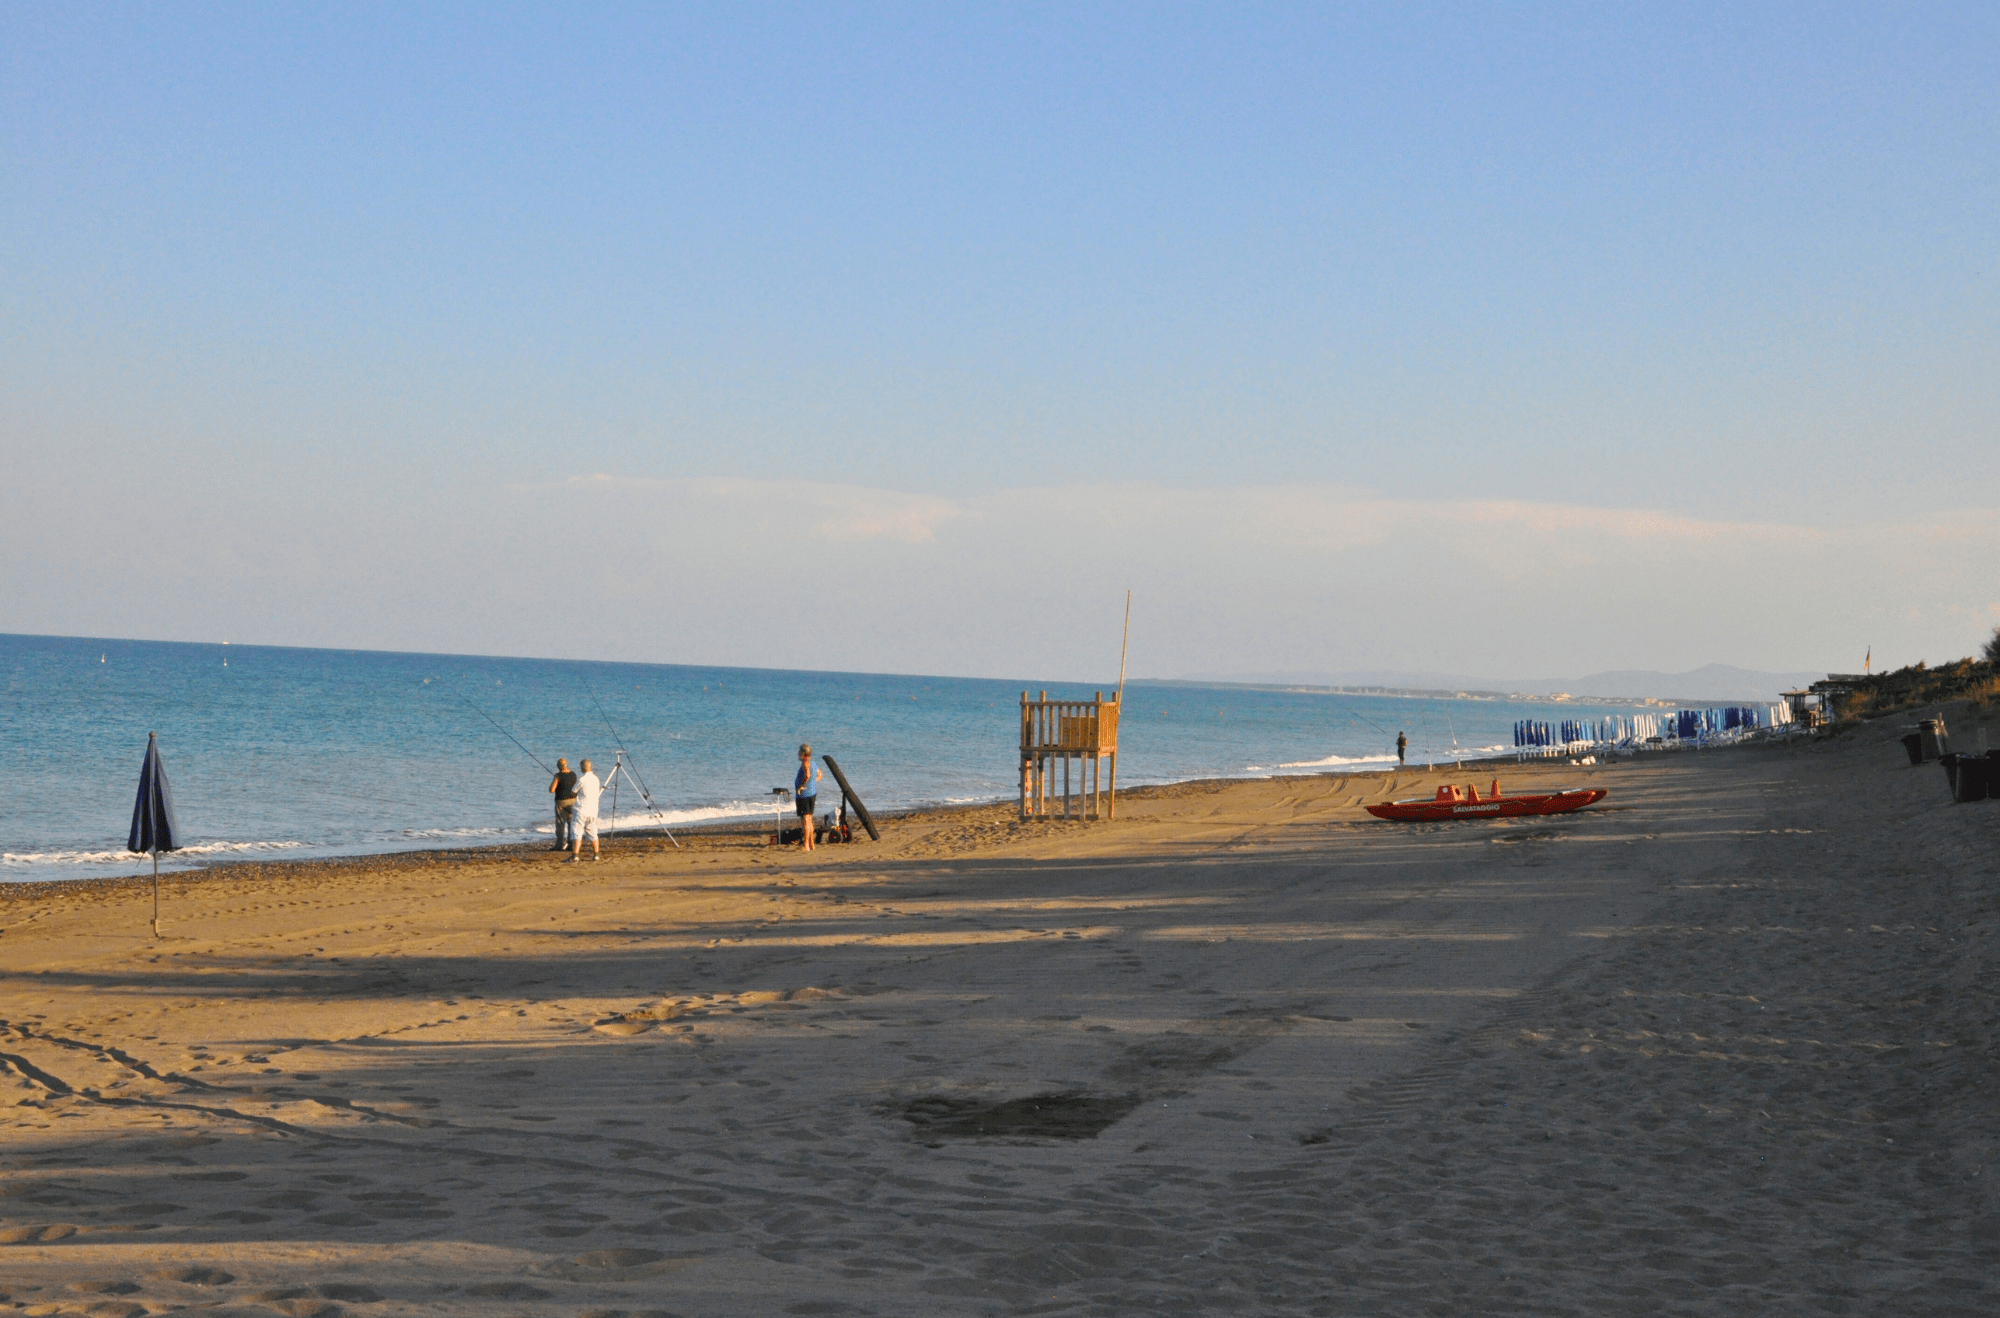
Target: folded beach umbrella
{"type": "Point", "coordinates": [154, 827]}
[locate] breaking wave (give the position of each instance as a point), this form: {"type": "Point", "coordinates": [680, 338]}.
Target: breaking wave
{"type": "Point", "coordinates": [1332, 760]}
{"type": "Point", "coordinates": [119, 855]}
{"type": "Point", "coordinates": [443, 834]}
{"type": "Point", "coordinates": [699, 814]}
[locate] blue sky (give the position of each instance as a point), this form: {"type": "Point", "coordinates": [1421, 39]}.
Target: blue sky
{"type": "Point", "coordinates": [357, 263]}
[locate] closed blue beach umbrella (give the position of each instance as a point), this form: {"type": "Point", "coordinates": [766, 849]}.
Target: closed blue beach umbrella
{"type": "Point", "coordinates": [154, 827]}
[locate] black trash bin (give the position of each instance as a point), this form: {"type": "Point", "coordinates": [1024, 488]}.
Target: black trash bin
{"type": "Point", "coordinates": [1974, 779]}
{"type": "Point", "coordinates": [1914, 744]}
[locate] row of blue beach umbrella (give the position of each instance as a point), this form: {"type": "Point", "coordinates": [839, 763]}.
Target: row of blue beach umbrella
{"type": "Point", "coordinates": [1684, 725]}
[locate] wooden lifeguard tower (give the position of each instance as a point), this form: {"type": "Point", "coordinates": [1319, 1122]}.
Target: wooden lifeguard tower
{"type": "Point", "coordinates": [1081, 731]}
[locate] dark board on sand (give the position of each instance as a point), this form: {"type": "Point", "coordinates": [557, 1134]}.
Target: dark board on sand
{"type": "Point", "coordinates": [852, 799]}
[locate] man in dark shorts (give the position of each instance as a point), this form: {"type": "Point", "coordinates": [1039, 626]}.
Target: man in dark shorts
{"type": "Point", "coordinates": [805, 795]}
{"type": "Point", "coordinates": [563, 786]}
{"type": "Point", "coordinates": [1402, 744]}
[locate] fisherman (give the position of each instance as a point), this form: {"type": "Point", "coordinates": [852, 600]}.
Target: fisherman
{"type": "Point", "coordinates": [1402, 744]}
{"type": "Point", "coordinates": [805, 795]}
{"type": "Point", "coordinates": [563, 787]}
{"type": "Point", "coordinates": [584, 817]}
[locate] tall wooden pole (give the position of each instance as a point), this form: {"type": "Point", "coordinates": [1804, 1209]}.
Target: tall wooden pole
{"type": "Point", "coordinates": [1025, 745]}
{"type": "Point", "coordinates": [1122, 647]}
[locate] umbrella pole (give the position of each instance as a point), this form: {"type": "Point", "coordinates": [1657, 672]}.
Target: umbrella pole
{"type": "Point", "coordinates": [156, 894]}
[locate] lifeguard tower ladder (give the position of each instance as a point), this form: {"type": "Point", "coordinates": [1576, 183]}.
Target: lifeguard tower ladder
{"type": "Point", "coordinates": [1083, 731]}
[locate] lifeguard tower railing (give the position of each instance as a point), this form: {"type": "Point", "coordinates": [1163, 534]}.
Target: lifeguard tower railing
{"type": "Point", "coordinates": [1082, 733]}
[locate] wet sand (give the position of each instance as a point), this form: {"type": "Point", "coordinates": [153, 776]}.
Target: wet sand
{"type": "Point", "coordinates": [1722, 1044]}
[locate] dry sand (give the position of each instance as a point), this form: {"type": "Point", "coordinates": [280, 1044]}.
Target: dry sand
{"type": "Point", "coordinates": [1724, 1044]}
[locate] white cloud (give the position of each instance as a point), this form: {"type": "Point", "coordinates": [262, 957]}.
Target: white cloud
{"type": "Point", "coordinates": [1025, 582]}
{"type": "Point", "coordinates": [842, 513]}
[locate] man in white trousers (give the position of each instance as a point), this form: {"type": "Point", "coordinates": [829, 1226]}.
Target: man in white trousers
{"type": "Point", "coordinates": [584, 817]}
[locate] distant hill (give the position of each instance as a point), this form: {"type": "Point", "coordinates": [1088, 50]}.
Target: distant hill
{"type": "Point", "coordinates": [1715, 682]}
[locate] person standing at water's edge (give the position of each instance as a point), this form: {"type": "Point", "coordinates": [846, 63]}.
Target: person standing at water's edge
{"type": "Point", "coordinates": [563, 786]}
{"type": "Point", "coordinates": [1402, 744]}
{"type": "Point", "coordinates": [584, 818]}
{"type": "Point", "coordinates": [805, 795]}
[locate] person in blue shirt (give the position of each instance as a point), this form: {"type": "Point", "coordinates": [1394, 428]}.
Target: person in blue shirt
{"type": "Point", "coordinates": [805, 794]}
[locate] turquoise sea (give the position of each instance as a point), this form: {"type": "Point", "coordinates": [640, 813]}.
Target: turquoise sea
{"type": "Point", "coordinates": [278, 753]}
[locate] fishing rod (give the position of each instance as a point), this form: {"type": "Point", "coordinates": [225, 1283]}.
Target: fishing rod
{"type": "Point", "coordinates": [1369, 721]}
{"type": "Point", "coordinates": [624, 762]}
{"type": "Point", "coordinates": [1365, 719]}
{"type": "Point", "coordinates": [508, 735]}
{"type": "Point", "coordinates": [1378, 727]}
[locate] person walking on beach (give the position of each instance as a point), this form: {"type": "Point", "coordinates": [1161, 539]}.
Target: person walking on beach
{"type": "Point", "coordinates": [563, 786]}
{"type": "Point", "coordinates": [805, 795]}
{"type": "Point", "coordinates": [584, 817]}
{"type": "Point", "coordinates": [1402, 744]}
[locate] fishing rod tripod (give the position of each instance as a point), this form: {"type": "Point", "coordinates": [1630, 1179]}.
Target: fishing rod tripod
{"type": "Point", "coordinates": [619, 768]}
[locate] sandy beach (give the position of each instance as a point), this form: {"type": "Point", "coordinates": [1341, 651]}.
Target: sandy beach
{"type": "Point", "coordinates": [1723, 1044]}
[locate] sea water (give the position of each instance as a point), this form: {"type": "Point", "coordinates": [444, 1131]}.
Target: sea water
{"type": "Point", "coordinates": [280, 753]}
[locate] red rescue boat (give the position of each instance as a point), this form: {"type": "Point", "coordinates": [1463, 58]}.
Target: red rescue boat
{"type": "Point", "coordinates": [1466, 803]}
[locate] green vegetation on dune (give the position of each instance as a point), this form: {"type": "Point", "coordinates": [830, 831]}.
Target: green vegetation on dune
{"type": "Point", "coordinates": [1976, 680]}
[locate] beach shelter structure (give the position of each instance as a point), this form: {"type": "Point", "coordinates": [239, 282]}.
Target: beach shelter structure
{"type": "Point", "coordinates": [154, 827]}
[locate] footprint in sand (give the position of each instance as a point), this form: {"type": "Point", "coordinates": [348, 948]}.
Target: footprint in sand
{"type": "Point", "coordinates": [307, 1307]}
{"type": "Point", "coordinates": [196, 1275]}
{"type": "Point", "coordinates": [507, 1290]}
{"type": "Point", "coordinates": [401, 1205]}
{"type": "Point", "coordinates": [149, 1209]}
{"type": "Point", "coordinates": [29, 1235]}
{"type": "Point", "coordinates": [347, 1290]}
{"type": "Point", "coordinates": [104, 1287]}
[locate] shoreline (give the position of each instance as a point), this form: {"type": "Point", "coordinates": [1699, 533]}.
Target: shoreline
{"type": "Point", "coordinates": [746, 830]}
{"type": "Point", "coordinates": [758, 825]}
